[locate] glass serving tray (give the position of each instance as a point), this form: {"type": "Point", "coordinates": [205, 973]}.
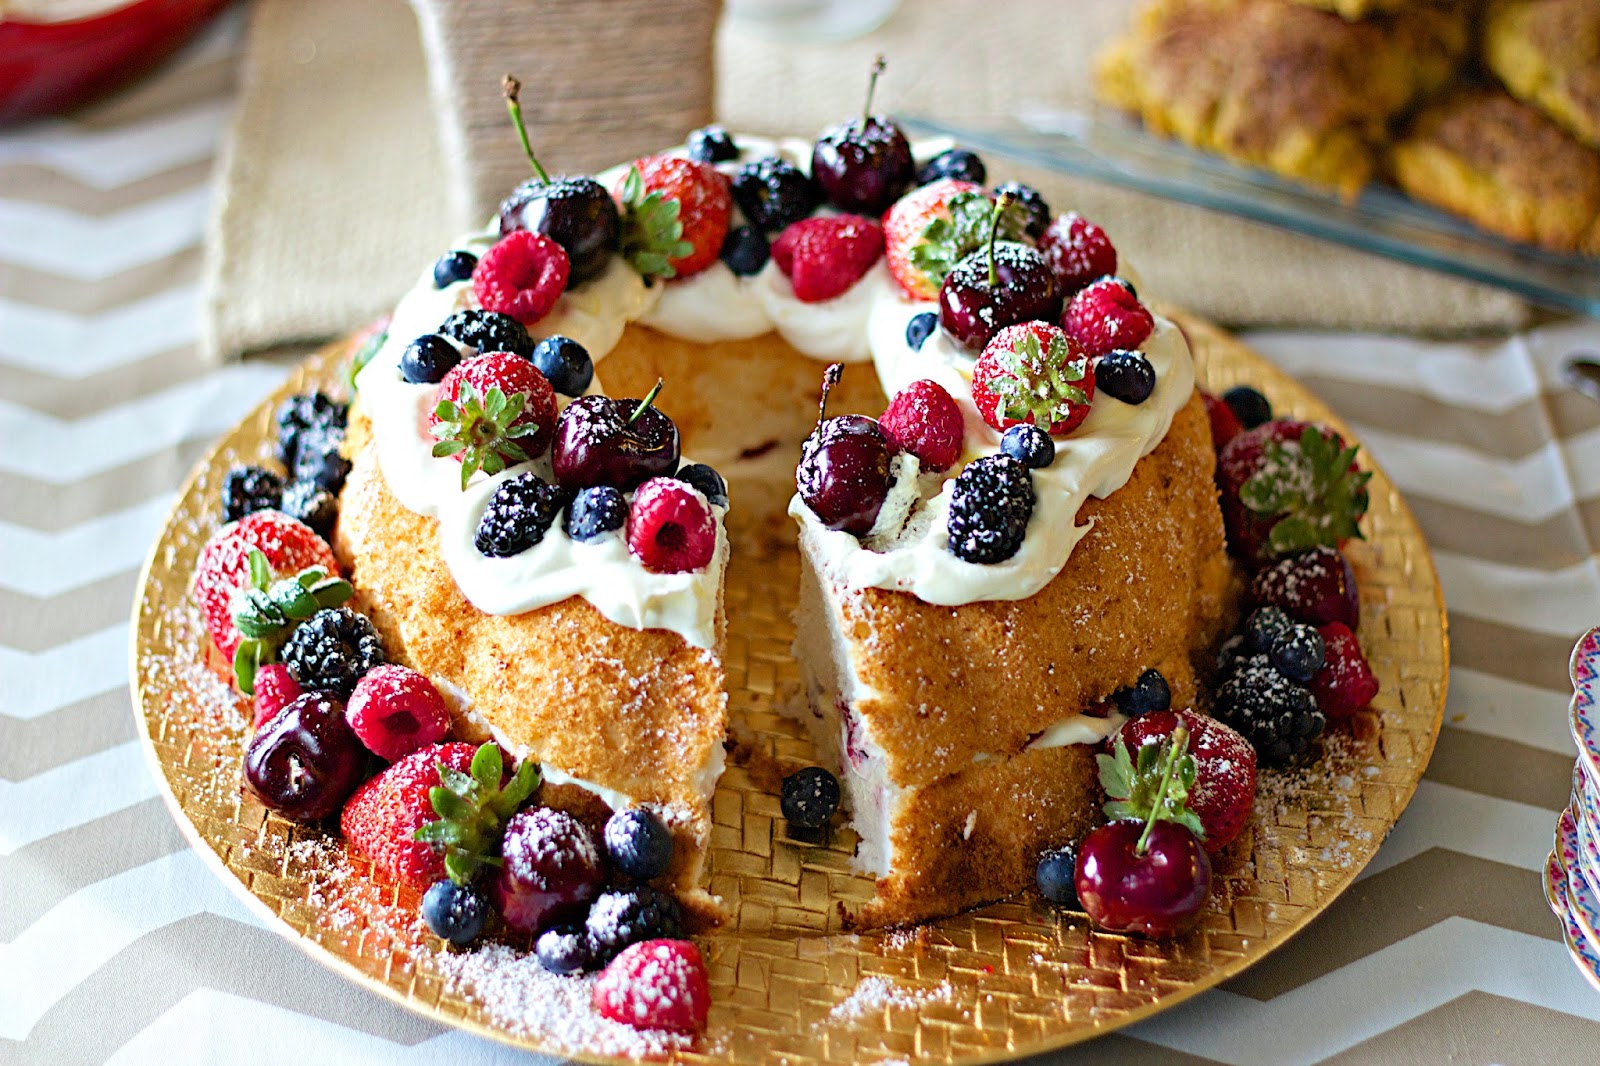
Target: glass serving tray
{"type": "Point", "coordinates": [1106, 146]}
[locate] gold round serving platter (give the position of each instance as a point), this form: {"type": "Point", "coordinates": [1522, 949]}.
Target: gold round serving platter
{"type": "Point", "coordinates": [788, 984]}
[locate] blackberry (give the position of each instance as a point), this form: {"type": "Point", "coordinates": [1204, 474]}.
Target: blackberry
{"type": "Point", "coordinates": [1279, 718]}
{"type": "Point", "coordinates": [989, 510]}
{"type": "Point", "coordinates": [639, 843]}
{"type": "Point", "coordinates": [452, 267]}
{"type": "Point", "coordinates": [1147, 695]}
{"type": "Point", "coordinates": [745, 250]}
{"type": "Point", "coordinates": [1249, 406]}
{"type": "Point", "coordinates": [488, 331]}
{"type": "Point", "coordinates": [628, 916]}
{"type": "Point", "coordinates": [454, 912]}
{"type": "Point", "coordinates": [810, 796]}
{"type": "Point", "coordinates": [920, 328]}
{"type": "Point", "coordinates": [1057, 876]}
{"type": "Point", "coordinates": [712, 144]}
{"type": "Point", "coordinates": [428, 359]}
{"type": "Point", "coordinates": [564, 949]}
{"type": "Point", "coordinates": [317, 457]}
{"type": "Point", "coordinates": [518, 515]}
{"type": "Point", "coordinates": [1029, 445]}
{"type": "Point", "coordinates": [565, 364]}
{"type": "Point", "coordinates": [957, 163]}
{"type": "Point", "coordinates": [311, 504]}
{"type": "Point", "coordinates": [247, 489]}
{"type": "Point", "coordinates": [1234, 650]}
{"type": "Point", "coordinates": [773, 192]}
{"type": "Point", "coordinates": [1126, 376]}
{"type": "Point", "coordinates": [1265, 627]}
{"type": "Point", "coordinates": [595, 511]}
{"type": "Point", "coordinates": [1035, 212]}
{"type": "Point", "coordinates": [1299, 654]}
{"type": "Point", "coordinates": [332, 649]}
{"type": "Point", "coordinates": [707, 480]}
{"type": "Point", "coordinates": [311, 410]}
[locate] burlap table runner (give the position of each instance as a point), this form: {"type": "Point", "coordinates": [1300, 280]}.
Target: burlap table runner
{"type": "Point", "coordinates": [334, 188]}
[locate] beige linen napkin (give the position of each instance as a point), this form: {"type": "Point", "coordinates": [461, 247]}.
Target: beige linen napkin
{"type": "Point", "coordinates": [333, 190]}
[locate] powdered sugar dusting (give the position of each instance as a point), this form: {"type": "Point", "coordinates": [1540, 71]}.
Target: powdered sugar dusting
{"type": "Point", "coordinates": [872, 995]}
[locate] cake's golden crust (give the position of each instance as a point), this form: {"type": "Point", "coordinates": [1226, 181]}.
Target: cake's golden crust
{"type": "Point", "coordinates": [1147, 587]}
{"type": "Point", "coordinates": [636, 711]}
{"type": "Point", "coordinates": [1548, 54]}
{"type": "Point", "coordinates": [1300, 92]}
{"type": "Point", "coordinates": [1505, 166]}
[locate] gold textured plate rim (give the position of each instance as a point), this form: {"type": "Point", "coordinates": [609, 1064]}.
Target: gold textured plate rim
{"type": "Point", "coordinates": [1221, 362]}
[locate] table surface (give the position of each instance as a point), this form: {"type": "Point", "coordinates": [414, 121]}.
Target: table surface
{"type": "Point", "coordinates": [117, 944]}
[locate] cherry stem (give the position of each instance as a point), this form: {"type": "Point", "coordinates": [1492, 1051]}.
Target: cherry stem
{"type": "Point", "coordinates": [872, 86]}
{"type": "Point", "coordinates": [511, 87]}
{"type": "Point", "coordinates": [830, 378]}
{"type": "Point", "coordinates": [1000, 207]}
{"type": "Point", "coordinates": [1180, 743]}
{"type": "Point", "coordinates": [644, 404]}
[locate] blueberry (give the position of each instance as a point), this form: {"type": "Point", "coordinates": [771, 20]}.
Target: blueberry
{"type": "Point", "coordinates": [1029, 445]}
{"type": "Point", "coordinates": [428, 359]}
{"type": "Point", "coordinates": [1265, 627]}
{"type": "Point", "coordinates": [594, 512]}
{"type": "Point", "coordinates": [1057, 876]}
{"type": "Point", "coordinates": [452, 267]}
{"type": "Point", "coordinates": [1031, 207]}
{"type": "Point", "coordinates": [639, 844]}
{"type": "Point", "coordinates": [707, 480]}
{"type": "Point", "coordinates": [810, 797]}
{"type": "Point", "coordinates": [773, 192]}
{"type": "Point", "coordinates": [311, 504]}
{"type": "Point", "coordinates": [712, 144]}
{"type": "Point", "coordinates": [1126, 376]}
{"type": "Point", "coordinates": [1147, 695]}
{"type": "Point", "coordinates": [250, 488]}
{"type": "Point", "coordinates": [920, 328]}
{"type": "Point", "coordinates": [1249, 406]}
{"type": "Point", "coordinates": [454, 912]}
{"type": "Point", "coordinates": [957, 163]}
{"type": "Point", "coordinates": [745, 250]}
{"type": "Point", "coordinates": [1299, 654]}
{"type": "Point", "coordinates": [565, 364]}
{"type": "Point", "coordinates": [564, 949]}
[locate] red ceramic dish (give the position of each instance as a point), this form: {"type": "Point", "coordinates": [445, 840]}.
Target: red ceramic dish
{"type": "Point", "coordinates": [50, 67]}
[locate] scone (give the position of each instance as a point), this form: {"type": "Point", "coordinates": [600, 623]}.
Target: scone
{"type": "Point", "coordinates": [1504, 165]}
{"type": "Point", "coordinates": [1548, 54]}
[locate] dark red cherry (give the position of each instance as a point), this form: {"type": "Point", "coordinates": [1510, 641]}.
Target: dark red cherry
{"type": "Point", "coordinates": [1157, 893]}
{"type": "Point", "coordinates": [620, 443]}
{"type": "Point", "coordinates": [550, 870]}
{"type": "Point", "coordinates": [865, 164]}
{"type": "Point", "coordinates": [843, 474]}
{"type": "Point", "coordinates": [306, 760]}
{"type": "Point", "coordinates": [975, 303]}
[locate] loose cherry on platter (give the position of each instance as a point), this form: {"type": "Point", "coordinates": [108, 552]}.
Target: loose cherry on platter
{"type": "Point", "coordinates": [550, 870]}
{"type": "Point", "coordinates": [620, 443]}
{"type": "Point", "coordinates": [843, 474]}
{"type": "Point", "coordinates": [1148, 877]}
{"type": "Point", "coordinates": [306, 760]}
{"type": "Point", "coordinates": [577, 213]}
{"type": "Point", "coordinates": [865, 164]}
{"type": "Point", "coordinates": [999, 286]}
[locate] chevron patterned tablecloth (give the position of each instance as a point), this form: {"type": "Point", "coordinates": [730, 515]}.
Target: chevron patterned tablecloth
{"type": "Point", "coordinates": [116, 944]}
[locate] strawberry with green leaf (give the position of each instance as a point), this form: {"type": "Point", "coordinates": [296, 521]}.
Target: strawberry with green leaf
{"type": "Point", "coordinates": [1033, 372]}
{"type": "Point", "coordinates": [1288, 486]}
{"type": "Point", "coordinates": [492, 411]}
{"type": "Point", "coordinates": [1217, 775]}
{"type": "Point", "coordinates": [675, 215]}
{"type": "Point", "coordinates": [931, 229]}
{"type": "Point", "coordinates": [265, 612]}
{"type": "Point", "coordinates": [1156, 775]}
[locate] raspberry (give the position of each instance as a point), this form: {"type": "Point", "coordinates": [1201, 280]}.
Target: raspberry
{"type": "Point", "coordinates": [659, 984]}
{"type": "Point", "coordinates": [670, 527]}
{"type": "Point", "coordinates": [249, 488]}
{"type": "Point", "coordinates": [488, 331]}
{"type": "Point", "coordinates": [395, 711]}
{"type": "Point", "coordinates": [1345, 684]}
{"type": "Point", "coordinates": [824, 257]}
{"type": "Point", "coordinates": [620, 918]}
{"type": "Point", "coordinates": [1315, 587]}
{"type": "Point", "coordinates": [989, 510]}
{"type": "Point", "coordinates": [518, 515]}
{"type": "Point", "coordinates": [331, 650]}
{"type": "Point", "coordinates": [224, 566]}
{"type": "Point", "coordinates": [522, 276]}
{"type": "Point", "coordinates": [1078, 251]}
{"type": "Point", "coordinates": [1279, 718]}
{"type": "Point", "coordinates": [380, 821]}
{"type": "Point", "coordinates": [1225, 425]}
{"type": "Point", "coordinates": [1107, 315]}
{"type": "Point", "coordinates": [275, 689]}
{"type": "Point", "coordinates": [1225, 770]}
{"type": "Point", "coordinates": [922, 419]}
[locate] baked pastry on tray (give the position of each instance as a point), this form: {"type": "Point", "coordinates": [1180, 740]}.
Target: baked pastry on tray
{"type": "Point", "coordinates": [1547, 52]}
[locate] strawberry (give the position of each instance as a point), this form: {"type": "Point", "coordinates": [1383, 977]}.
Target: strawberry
{"type": "Point", "coordinates": [656, 984]}
{"type": "Point", "coordinates": [1225, 425]}
{"type": "Point", "coordinates": [275, 689]}
{"type": "Point", "coordinates": [1314, 587]}
{"type": "Point", "coordinates": [287, 547]}
{"type": "Point", "coordinates": [823, 257]}
{"type": "Point", "coordinates": [1288, 486]}
{"type": "Point", "coordinates": [1078, 252]}
{"type": "Point", "coordinates": [675, 215]}
{"type": "Point", "coordinates": [1033, 372]}
{"type": "Point", "coordinates": [523, 276]}
{"type": "Point", "coordinates": [1221, 788]}
{"type": "Point", "coordinates": [922, 419]}
{"type": "Point", "coordinates": [930, 230]}
{"type": "Point", "coordinates": [1345, 684]}
{"type": "Point", "coordinates": [485, 405]}
{"type": "Point", "coordinates": [1107, 315]}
